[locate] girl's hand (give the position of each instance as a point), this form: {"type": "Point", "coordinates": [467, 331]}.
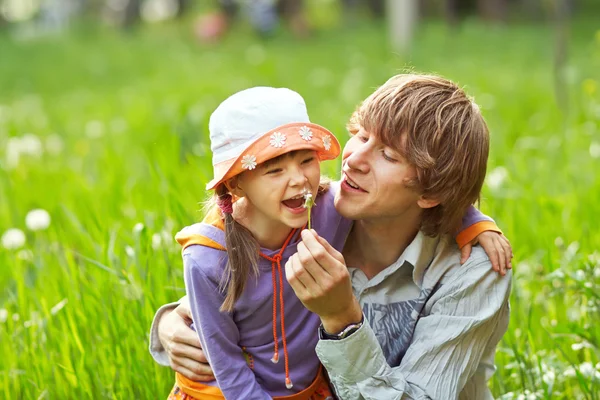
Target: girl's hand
{"type": "Point", "coordinates": [496, 246]}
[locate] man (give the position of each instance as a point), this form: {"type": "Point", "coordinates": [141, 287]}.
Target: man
{"type": "Point", "coordinates": [401, 317]}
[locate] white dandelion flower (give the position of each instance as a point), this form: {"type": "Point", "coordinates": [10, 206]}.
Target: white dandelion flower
{"type": "Point", "coordinates": [59, 306]}
{"type": "Point", "coordinates": [13, 152]}
{"type": "Point", "coordinates": [156, 241]}
{"type": "Point", "coordinates": [249, 162]}
{"type": "Point", "coordinates": [595, 150]}
{"type": "Point", "coordinates": [25, 255]}
{"type": "Point", "coordinates": [326, 142]}
{"type": "Point", "coordinates": [579, 346]}
{"type": "Point", "coordinates": [587, 369]}
{"type": "Point", "coordinates": [548, 377]}
{"type": "Point", "coordinates": [570, 372]}
{"type": "Point", "coordinates": [94, 129]}
{"type": "Point", "coordinates": [37, 220]}
{"type": "Point", "coordinates": [16, 317]}
{"type": "Point", "coordinates": [277, 139]}
{"type": "Point", "coordinates": [496, 178]}
{"type": "Point", "coordinates": [31, 145]}
{"type": "Point", "coordinates": [138, 228]}
{"type": "Point", "coordinates": [13, 239]}
{"type": "Point", "coordinates": [54, 144]}
{"type": "Point", "coordinates": [130, 251]}
{"type": "Point", "coordinates": [3, 315]}
{"type": "Point", "coordinates": [305, 133]}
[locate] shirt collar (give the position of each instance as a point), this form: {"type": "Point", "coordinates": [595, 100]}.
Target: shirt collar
{"type": "Point", "coordinates": [419, 254]}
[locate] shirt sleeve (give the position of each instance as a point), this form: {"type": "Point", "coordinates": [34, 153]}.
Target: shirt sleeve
{"type": "Point", "coordinates": [219, 334]}
{"type": "Point", "coordinates": [473, 224]}
{"type": "Point", "coordinates": [156, 348]}
{"type": "Point", "coordinates": [467, 318]}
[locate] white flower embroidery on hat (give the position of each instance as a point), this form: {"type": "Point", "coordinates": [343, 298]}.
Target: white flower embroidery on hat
{"type": "Point", "coordinates": [305, 133]}
{"type": "Point", "coordinates": [326, 142]}
{"type": "Point", "coordinates": [277, 139]}
{"type": "Point", "coordinates": [249, 162]}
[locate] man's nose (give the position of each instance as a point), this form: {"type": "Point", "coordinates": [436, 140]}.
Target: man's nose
{"type": "Point", "coordinates": [358, 159]}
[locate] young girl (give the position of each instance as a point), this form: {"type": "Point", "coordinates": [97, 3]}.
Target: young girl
{"type": "Point", "coordinates": [257, 336]}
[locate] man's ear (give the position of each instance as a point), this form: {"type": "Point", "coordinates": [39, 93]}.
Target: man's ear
{"type": "Point", "coordinates": [425, 202]}
{"type": "Point", "coordinates": [233, 186]}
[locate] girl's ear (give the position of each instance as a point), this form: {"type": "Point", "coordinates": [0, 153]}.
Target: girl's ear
{"type": "Point", "coordinates": [233, 186]}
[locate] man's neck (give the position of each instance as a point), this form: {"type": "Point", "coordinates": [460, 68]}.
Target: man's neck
{"type": "Point", "coordinates": [372, 246]}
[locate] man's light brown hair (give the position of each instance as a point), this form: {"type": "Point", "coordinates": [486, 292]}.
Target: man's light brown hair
{"type": "Point", "coordinates": [432, 123]}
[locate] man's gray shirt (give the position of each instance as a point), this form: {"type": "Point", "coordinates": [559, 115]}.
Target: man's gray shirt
{"type": "Point", "coordinates": [432, 331]}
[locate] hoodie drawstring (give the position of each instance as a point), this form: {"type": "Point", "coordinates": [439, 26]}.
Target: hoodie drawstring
{"type": "Point", "coordinates": [276, 269]}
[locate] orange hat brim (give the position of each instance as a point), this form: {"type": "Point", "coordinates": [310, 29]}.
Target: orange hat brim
{"type": "Point", "coordinates": [322, 141]}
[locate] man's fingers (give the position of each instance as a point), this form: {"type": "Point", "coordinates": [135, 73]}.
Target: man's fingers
{"type": "Point", "coordinates": [293, 280]}
{"type": "Point", "coordinates": [183, 309]}
{"type": "Point", "coordinates": [186, 335]}
{"type": "Point", "coordinates": [182, 350]}
{"type": "Point", "coordinates": [191, 370]}
{"type": "Point", "coordinates": [305, 264]}
{"type": "Point", "coordinates": [330, 249]}
{"type": "Point", "coordinates": [465, 252]}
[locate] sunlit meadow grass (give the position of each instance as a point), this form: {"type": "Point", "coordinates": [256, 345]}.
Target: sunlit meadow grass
{"type": "Point", "coordinates": [118, 154]}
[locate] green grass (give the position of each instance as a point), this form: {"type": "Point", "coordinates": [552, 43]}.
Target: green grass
{"type": "Point", "coordinates": [132, 110]}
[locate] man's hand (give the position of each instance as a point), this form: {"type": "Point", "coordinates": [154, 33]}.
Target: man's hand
{"type": "Point", "coordinates": [320, 278]}
{"type": "Point", "coordinates": [182, 344]}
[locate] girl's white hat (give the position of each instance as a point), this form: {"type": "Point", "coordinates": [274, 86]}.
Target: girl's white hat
{"type": "Point", "coordinates": [261, 123]}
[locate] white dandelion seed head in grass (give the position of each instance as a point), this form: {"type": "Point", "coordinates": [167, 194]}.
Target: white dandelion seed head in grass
{"type": "Point", "coordinates": [580, 275]}
{"type": "Point", "coordinates": [16, 317]}
{"type": "Point", "coordinates": [580, 346]}
{"type": "Point", "coordinates": [37, 219]}
{"type": "Point", "coordinates": [595, 150]}
{"type": "Point", "coordinates": [496, 177]}
{"type": "Point", "coordinates": [59, 306]}
{"type": "Point", "coordinates": [54, 144]}
{"type": "Point", "coordinates": [549, 377]}
{"type": "Point", "coordinates": [13, 152]}
{"type": "Point", "coordinates": [249, 162]}
{"type": "Point", "coordinates": [138, 228]}
{"type": "Point", "coordinates": [277, 139]}
{"type": "Point", "coordinates": [25, 255]}
{"type": "Point", "coordinates": [130, 251]}
{"type": "Point", "coordinates": [3, 315]}
{"type": "Point", "coordinates": [156, 241]}
{"type": "Point", "coordinates": [31, 145]}
{"type": "Point", "coordinates": [587, 369]}
{"type": "Point", "coordinates": [326, 142]}
{"type": "Point", "coordinates": [305, 133]}
{"type": "Point", "coordinates": [94, 129]}
{"type": "Point", "coordinates": [13, 239]}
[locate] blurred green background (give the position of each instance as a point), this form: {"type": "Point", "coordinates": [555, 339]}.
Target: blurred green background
{"type": "Point", "coordinates": [103, 125]}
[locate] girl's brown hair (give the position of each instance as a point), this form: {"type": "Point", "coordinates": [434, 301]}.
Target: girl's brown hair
{"type": "Point", "coordinates": [242, 248]}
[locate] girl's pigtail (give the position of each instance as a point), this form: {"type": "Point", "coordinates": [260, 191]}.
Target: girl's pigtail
{"type": "Point", "coordinates": [242, 252]}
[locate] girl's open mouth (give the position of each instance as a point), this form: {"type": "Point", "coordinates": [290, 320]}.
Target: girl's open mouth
{"type": "Point", "coordinates": [296, 206]}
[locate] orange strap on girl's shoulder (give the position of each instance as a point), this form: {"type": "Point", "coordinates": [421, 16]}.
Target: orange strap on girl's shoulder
{"type": "Point", "coordinates": [467, 235]}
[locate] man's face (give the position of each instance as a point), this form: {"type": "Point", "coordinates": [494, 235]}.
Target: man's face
{"type": "Point", "coordinates": [373, 184]}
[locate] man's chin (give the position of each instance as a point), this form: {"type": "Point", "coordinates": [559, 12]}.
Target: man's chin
{"type": "Point", "coordinates": [346, 209]}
